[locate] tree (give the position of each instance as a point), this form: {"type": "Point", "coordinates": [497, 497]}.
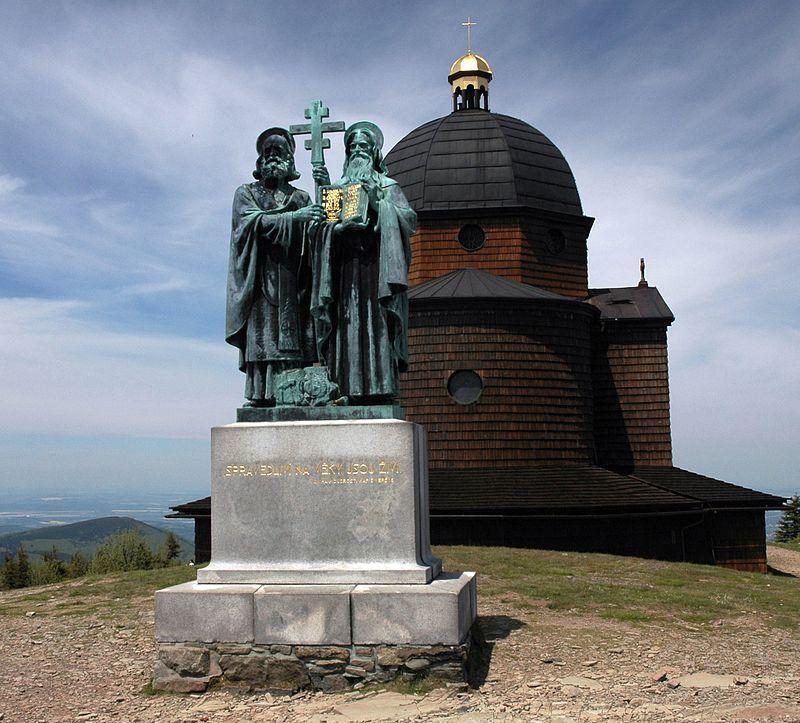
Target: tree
{"type": "Point", "coordinates": [77, 566]}
{"type": "Point", "coordinates": [170, 550]}
{"type": "Point", "coordinates": [51, 569]}
{"type": "Point", "coordinates": [23, 577]}
{"type": "Point", "coordinates": [789, 526]}
{"type": "Point", "coordinates": [127, 550]}
{"type": "Point", "coordinates": [8, 573]}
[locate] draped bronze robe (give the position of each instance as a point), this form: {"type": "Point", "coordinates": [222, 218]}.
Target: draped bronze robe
{"type": "Point", "coordinates": [269, 283]}
{"type": "Point", "coordinates": [358, 300]}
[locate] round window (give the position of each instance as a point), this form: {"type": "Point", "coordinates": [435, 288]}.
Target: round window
{"type": "Point", "coordinates": [464, 386]}
{"type": "Point", "coordinates": [556, 242]}
{"type": "Point", "coordinates": [472, 237]}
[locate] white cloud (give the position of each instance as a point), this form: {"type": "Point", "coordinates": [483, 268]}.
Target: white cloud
{"type": "Point", "coordinates": [62, 373]}
{"type": "Point", "coordinates": [9, 184]}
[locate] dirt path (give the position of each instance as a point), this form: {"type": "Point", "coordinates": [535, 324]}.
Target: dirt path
{"type": "Point", "coordinates": [786, 561]}
{"type": "Point", "coordinates": [544, 666]}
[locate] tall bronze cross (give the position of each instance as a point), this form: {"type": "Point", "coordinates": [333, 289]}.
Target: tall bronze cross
{"type": "Point", "coordinates": [315, 113]}
{"type": "Point", "coordinates": [468, 26]}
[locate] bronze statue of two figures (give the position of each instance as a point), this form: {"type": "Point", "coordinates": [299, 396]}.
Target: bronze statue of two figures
{"type": "Point", "coordinates": [316, 300]}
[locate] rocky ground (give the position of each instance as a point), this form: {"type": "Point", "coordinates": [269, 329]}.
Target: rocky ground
{"type": "Point", "coordinates": [544, 665]}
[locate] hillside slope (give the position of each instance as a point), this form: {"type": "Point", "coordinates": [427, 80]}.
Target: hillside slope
{"type": "Point", "coordinates": [84, 537]}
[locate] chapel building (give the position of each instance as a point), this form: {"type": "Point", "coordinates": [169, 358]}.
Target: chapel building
{"type": "Point", "coordinates": [545, 399]}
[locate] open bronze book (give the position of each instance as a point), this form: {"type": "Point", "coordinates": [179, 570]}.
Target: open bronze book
{"type": "Point", "coordinates": [342, 203]}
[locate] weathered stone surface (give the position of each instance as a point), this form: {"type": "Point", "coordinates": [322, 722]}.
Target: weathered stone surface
{"type": "Point", "coordinates": [279, 672]}
{"type": "Point", "coordinates": [205, 613]}
{"type": "Point", "coordinates": [251, 669]}
{"type": "Point", "coordinates": [706, 680]}
{"type": "Point", "coordinates": [398, 654]}
{"type": "Point", "coordinates": [578, 681]}
{"type": "Point", "coordinates": [326, 667]}
{"type": "Point", "coordinates": [441, 612]}
{"type": "Point", "coordinates": [303, 614]}
{"type": "Point", "coordinates": [186, 660]}
{"type": "Point", "coordinates": [447, 671]}
{"type": "Point", "coordinates": [232, 649]}
{"type": "Point", "coordinates": [282, 649]}
{"type": "Point", "coordinates": [286, 675]}
{"type": "Point", "coordinates": [167, 680]}
{"type": "Point", "coordinates": [347, 503]}
{"type": "Point", "coordinates": [322, 652]}
{"type": "Point", "coordinates": [367, 664]}
{"type": "Point", "coordinates": [334, 684]}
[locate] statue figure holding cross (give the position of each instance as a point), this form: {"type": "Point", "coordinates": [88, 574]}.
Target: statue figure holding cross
{"type": "Point", "coordinates": [269, 272]}
{"type": "Point", "coordinates": [360, 276]}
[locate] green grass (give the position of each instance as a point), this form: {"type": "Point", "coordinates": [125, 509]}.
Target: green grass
{"type": "Point", "coordinates": [106, 595]}
{"type": "Point", "coordinates": [623, 589]}
{"type": "Point", "coordinates": [627, 589]}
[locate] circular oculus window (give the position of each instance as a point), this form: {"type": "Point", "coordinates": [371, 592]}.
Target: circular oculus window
{"type": "Point", "coordinates": [472, 237]}
{"type": "Point", "coordinates": [464, 386]}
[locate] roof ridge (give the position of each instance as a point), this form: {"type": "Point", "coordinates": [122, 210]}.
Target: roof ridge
{"type": "Point", "coordinates": [427, 153]}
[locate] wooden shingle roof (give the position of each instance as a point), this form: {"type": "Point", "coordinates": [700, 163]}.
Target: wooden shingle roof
{"type": "Point", "coordinates": [550, 489]}
{"type": "Point", "coordinates": [712, 492]}
{"type": "Point", "coordinates": [477, 159]}
{"type": "Point", "coordinates": [631, 302]}
{"type": "Point", "coordinates": [478, 284]}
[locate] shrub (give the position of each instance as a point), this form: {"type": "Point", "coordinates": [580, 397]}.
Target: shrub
{"type": "Point", "coordinates": [124, 551]}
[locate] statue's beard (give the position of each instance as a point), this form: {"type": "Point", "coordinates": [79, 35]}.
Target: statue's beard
{"type": "Point", "coordinates": [359, 168]}
{"type": "Point", "coordinates": [274, 169]}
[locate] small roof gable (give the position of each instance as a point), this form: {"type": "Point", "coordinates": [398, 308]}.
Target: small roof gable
{"type": "Point", "coordinates": [711, 491]}
{"type": "Point", "coordinates": [477, 284]}
{"type": "Point", "coordinates": [195, 508]}
{"type": "Point", "coordinates": [631, 302]}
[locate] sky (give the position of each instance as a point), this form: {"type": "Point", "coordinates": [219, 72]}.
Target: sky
{"type": "Point", "coordinates": [126, 127]}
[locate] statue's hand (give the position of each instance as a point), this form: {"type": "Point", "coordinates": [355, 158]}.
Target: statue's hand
{"type": "Point", "coordinates": [321, 176]}
{"type": "Point", "coordinates": [352, 224]}
{"type": "Point", "coordinates": [373, 192]}
{"type": "Point", "coordinates": [313, 213]}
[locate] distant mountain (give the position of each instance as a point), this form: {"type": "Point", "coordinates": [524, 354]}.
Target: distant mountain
{"type": "Point", "coordinates": [85, 537]}
{"type": "Point", "coordinates": [7, 528]}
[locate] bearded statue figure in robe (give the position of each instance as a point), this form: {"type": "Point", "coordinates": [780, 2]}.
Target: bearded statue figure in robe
{"type": "Point", "coordinates": [269, 273]}
{"type": "Point", "coordinates": [360, 278]}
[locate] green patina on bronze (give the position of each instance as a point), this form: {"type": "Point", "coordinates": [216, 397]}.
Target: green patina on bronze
{"type": "Point", "coordinates": [318, 310]}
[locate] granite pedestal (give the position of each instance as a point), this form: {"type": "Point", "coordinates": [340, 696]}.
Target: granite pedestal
{"type": "Point", "coordinates": [319, 540]}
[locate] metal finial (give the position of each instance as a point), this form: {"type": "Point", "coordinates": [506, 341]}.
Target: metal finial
{"type": "Point", "coordinates": [468, 25]}
{"type": "Point", "coordinates": [642, 280]}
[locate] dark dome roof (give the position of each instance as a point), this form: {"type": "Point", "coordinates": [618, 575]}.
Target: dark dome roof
{"type": "Point", "coordinates": [478, 159]}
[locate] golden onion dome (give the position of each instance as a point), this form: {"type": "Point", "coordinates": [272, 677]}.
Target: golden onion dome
{"type": "Point", "coordinates": [471, 63]}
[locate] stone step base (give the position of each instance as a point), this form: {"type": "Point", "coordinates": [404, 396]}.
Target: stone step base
{"type": "Point", "coordinates": [191, 667]}
{"type": "Point", "coordinates": [441, 612]}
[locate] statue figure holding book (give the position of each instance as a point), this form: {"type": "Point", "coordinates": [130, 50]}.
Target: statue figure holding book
{"type": "Point", "coordinates": [269, 273]}
{"type": "Point", "coordinates": [360, 260]}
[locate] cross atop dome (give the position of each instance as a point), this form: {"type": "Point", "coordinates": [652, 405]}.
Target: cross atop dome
{"type": "Point", "coordinates": [469, 77]}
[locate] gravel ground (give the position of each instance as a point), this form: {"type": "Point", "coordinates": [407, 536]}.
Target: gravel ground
{"type": "Point", "coordinates": [544, 666]}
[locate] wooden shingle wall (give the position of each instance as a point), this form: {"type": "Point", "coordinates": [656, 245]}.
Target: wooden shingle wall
{"type": "Point", "coordinates": [535, 362]}
{"type": "Point", "coordinates": [515, 248]}
{"type": "Point", "coordinates": [631, 395]}
{"type": "Point", "coordinates": [564, 273]}
{"type": "Point", "coordinates": [435, 250]}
